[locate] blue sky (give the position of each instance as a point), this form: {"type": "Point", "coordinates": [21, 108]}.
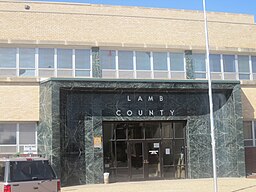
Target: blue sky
{"type": "Point", "coordinates": [233, 6]}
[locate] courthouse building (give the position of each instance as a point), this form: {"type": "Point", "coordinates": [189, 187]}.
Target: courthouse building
{"type": "Point", "coordinates": [123, 90]}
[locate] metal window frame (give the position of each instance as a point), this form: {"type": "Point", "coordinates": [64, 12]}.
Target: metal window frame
{"type": "Point", "coordinates": [17, 145]}
{"type": "Point", "coordinates": [253, 134]}
{"type": "Point", "coordinates": [168, 58]}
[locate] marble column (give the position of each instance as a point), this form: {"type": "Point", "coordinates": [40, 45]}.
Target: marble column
{"type": "Point", "coordinates": [49, 126]}
{"type": "Point", "coordinates": [189, 64]}
{"type": "Point", "coordinates": [93, 154]}
{"type": "Point", "coordinates": [96, 66]}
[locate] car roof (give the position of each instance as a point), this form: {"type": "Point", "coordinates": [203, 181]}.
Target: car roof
{"type": "Point", "coordinates": [23, 159]}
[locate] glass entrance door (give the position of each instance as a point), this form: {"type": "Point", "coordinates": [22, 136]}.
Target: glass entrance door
{"type": "Point", "coordinates": [152, 159]}
{"type": "Point", "coordinates": [144, 150]}
{"type": "Point", "coordinates": [145, 160]}
{"type": "Point", "coordinates": [137, 160]}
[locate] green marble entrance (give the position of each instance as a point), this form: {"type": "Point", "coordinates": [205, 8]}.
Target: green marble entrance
{"type": "Point", "coordinates": [73, 111]}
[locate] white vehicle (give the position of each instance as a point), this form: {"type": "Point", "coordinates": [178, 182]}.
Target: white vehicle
{"type": "Point", "coordinates": [27, 174]}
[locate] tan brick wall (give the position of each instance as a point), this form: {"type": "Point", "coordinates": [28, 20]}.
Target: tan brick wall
{"type": "Point", "coordinates": [123, 26]}
{"type": "Point", "coordinates": [249, 100]}
{"type": "Point", "coordinates": [77, 8]}
{"type": "Point", "coordinates": [19, 103]}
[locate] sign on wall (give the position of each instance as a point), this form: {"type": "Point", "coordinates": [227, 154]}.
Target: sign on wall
{"type": "Point", "coordinates": [97, 142]}
{"type": "Point", "coordinates": [30, 149]}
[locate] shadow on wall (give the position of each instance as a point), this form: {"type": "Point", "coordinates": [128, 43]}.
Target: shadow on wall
{"type": "Point", "coordinates": [248, 110]}
{"type": "Point", "coordinates": [250, 152]}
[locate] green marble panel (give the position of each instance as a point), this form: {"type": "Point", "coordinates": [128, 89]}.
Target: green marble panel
{"type": "Point", "coordinates": [96, 66]}
{"type": "Point", "coordinates": [189, 65]}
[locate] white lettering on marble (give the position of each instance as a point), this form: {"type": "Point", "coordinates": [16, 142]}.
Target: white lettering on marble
{"type": "Point", "coordinates": [146, 98]}
{"type": "Point", "coordinates": [151, 113]}
{"type": "Point", "coordinates": [129, 113]}
{"type": "Point", "coordinates": [118, 113]}
{"type": "Point", "coordinates": [140, 112]}
{"type": "Point", "coordinates": [140, 98]}
{"type": "Point", "coordinates": [150, 98]}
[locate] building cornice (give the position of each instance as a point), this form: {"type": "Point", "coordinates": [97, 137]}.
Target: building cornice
{"type": "Point", "coordinates": [21, 81]}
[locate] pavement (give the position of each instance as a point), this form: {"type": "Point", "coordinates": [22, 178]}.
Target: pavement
{"type": "Point", "coordinates": [184, 185]}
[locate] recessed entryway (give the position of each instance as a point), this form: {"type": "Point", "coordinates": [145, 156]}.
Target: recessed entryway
{"type": "Point", "coordinates": [144, 150]}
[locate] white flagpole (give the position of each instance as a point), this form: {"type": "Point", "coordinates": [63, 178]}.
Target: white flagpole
{"type": "Point", "coordinates": [210, 100]}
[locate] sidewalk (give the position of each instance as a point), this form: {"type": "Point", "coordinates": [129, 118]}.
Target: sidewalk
{"type": "Point", "coordinates": [186, 185]}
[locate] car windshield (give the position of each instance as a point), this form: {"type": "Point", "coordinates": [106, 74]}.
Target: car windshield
{"type": "Point", "coordinates": [30, 170]}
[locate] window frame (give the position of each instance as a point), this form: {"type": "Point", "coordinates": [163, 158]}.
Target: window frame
{"type": "Point", "coordinates": [241, 72]}
{"type": "Point", "coordinates": [154, 61]}
{"type": "Point", "coordinates": [15, 68]}
{"type": "Point", "coordinates": [17, 135]}
{"type": "Point", "coordinates": [34, 68]}
{"type": "Point", "coordinates": [76, 70]}
{"type": "Point", "coordinates": [199, 72]}
{"type": "Point", "coordinates": [116, 72]}
{"type": "Point", "coordinates": [253, 131]}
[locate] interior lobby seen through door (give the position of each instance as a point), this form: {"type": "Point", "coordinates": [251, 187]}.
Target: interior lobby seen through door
{"type": "Point", "coordinates": [144, 150]}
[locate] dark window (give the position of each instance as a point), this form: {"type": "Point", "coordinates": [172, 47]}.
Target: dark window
{"type": "Point", "coordinates": [7, 133]}
{"type": "Point", "coordinates": [247, 130]}
{"type": "Point", "coordinates": [167, 130]}
{"type": "Point", "coordinates": [121, 154]}
{"type": "Point", "coordinates": [135, 131]}
{"type": "Point", "coordinates": [248, 135]}
{"type": "Point", "coordinates": [30, 170]}
{"type": "Point", "coordinates": [121, 131]}
{"type": "Point", "coordinates": [152, 130]}
{"type": "Point", "coordinates": [179, 129]}
{"type": "Point", "coordinates": [2, 171]}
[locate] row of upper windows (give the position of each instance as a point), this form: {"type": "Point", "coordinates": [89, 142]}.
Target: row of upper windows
{"type": "Point", "coordinates": [49, 62]}
{"type": "Point", "coordinates": [42, 62]}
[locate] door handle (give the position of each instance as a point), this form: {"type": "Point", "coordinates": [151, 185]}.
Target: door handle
{"type": "Point", "coordinates": [35, 187]}
{"type": "Point", "coordinates": [15, 185]}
